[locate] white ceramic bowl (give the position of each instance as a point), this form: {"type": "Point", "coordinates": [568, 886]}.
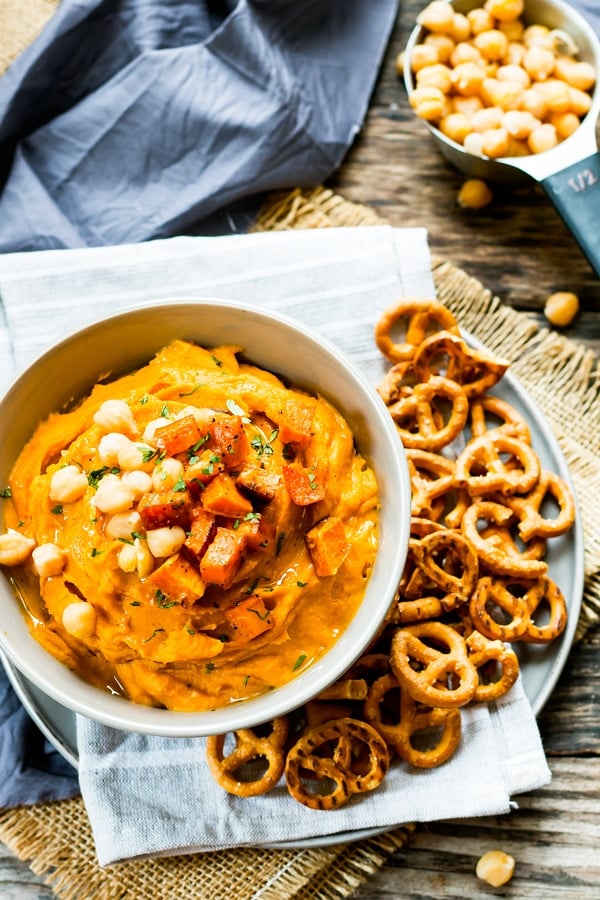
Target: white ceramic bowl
{"type": "Point", "coordinates": [121, 343]}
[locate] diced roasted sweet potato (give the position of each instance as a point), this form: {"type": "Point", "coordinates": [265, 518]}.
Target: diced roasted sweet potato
{"type": "Point", "coordinates": [258, 531]}
{"type": "Point", "coordinates": [223, 557]}
{"type": "Point", "coordinates": [178, 580]}
{"type": "Point", "coordinates": [305, 486]}
{"type": "Point", "coordinates": [201, 532]}
{"type": "Point", "coordinates": [165, 509]}
{"type": "Point", "coordinates": [259, 482]}
{"type": "Point", "coordinates": [175, 437]}
{"type": "Point", "coordinates": [249, 618]}
{"type": "Point", "coordinates": [228, 438]}
{"type": "Point", "coordinates": [222, 498]}
{"type": "Point", "coordinates": [328, 545]}
{"type": "Point", "coordinates": [296, 424]}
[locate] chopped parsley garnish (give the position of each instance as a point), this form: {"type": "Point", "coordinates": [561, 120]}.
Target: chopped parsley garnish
{"type": "Point", "coordinates": [302, 583]}
{"type": "Point", "coordinates": [299, 662]}
{"type": "Point", "coordinates": [190, 630]}
{"type": "Point", "coordinates": [261, 617]}
{"type": "Point", "coordinates": [6, 492]}
{"type": "Point", "coordinates": [179, 485]}
{"type": "Point", "coordinates": [193, 390]}
{"type": "Point", "coordinates": [57, 510]}
{"type": "Point", "coordinates": [249, 517]}
{"type": "Point", "coordinates": [165, 412]}
{"type": "Point", "coordinates": [135, 603]}
{"type": "Point", "coordinates": [97, 474]}
{"type": "Point", "coordinates": [154, 633]}
{"type": "Point", "coordinates": [209, 667]}
{"type": "Point", "coordinates": [280, 540]}
{"type": "Point", "coordinates": [199, 443]}
{"type": "Point", "coordinates": [96, 552]}
{"type": "Point", "coordinates": [246, 680]}
{"type": "Point", "coordinates": [263, 445]}
{"type": "Point", "coordinates": [162, 600]}
{"type": "Point", "coordinates": [216, 360]}
{"type": "Point", "coordinates": [136, 535]}
{"type": "Point", "coordinates": [147, 453]}
{"type": "Point", "coordinates": [224, 638]}
{"type": "Point", "coordinates": [144, 399]}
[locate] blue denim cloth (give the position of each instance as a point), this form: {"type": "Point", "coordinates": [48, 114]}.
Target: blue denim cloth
{"type": "Point", "coordinates": [31, 770]}
{"type": "Point", "coordinates": [136, 119]}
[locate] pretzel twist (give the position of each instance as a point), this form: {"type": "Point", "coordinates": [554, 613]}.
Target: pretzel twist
{"type": "Point", "coordinates": [345, 757]}
{"type": "Point", "coordinates": [410, 721]}
{"type": "Point", "coordinates": [249, 748]}
{"type": "Point", "coordinates": [418, 316]}
{"type": "Point", "coordinates": [418, 416]}
{"type": "Point", "coordinates": [437, 677]}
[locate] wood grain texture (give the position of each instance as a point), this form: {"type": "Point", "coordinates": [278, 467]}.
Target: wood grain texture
{"type": "Point", "coordinates": [519, 248]}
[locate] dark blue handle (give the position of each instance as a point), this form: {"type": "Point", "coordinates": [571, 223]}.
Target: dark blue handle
{"type": "Point", "coordinates": [575, 192]}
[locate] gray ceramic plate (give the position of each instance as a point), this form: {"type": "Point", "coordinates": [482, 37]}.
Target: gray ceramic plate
{"type": "Point", "coordinates": [540, 665]}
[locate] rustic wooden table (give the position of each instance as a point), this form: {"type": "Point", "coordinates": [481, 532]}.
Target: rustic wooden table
{"type": "Point", "coordinates": [519, 248]}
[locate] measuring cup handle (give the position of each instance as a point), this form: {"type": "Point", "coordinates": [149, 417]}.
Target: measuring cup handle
{"type": "Point", "coordinates": [575, 192]}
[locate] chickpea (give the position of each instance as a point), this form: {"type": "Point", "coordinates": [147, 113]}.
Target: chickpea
{"type": "Point", "coordinates": [515, 54]}
{"type": "Point", "coordinates": [461, 29]}
{"type": "Point", "coordinates": [151, 428]}
{"type": "Point", "coordinates": [580, 101]}
{"type": "Point", "coordinates": [467, 78]}
{"type": "Point", "coordinates": [144, 558]}
{"type": "Point", "coordinates": [466, 52]}
{"type": "Point", "coordinates": [538, 35]}
{"type": "Point", "coordinates": [474, 194]}
{"type": "Point", "coordinates": [504, 10]}
{"type": "Point", "coordinates": [443, 44]}
{"type": "Point", "coordinates": [67, 484]}
{"type": "Point", "coordinates": [495, 867]}
{"type": "Point", "coordinates": [109, 447]}
{"type": "Point", "coordinates": [437, 75]}
{"type": "Point", "coordinates": [495, 142]}
{"type": "Point", "coordinates": [466, 105]}
{"type": "Point", "coordinates": [473, 143]}
{"type": "Point", "coordinates": [565, 123]}
{"type": "Point", "coordinates": [517, 147]}
{"type": "Point", "coordinates": [539, 63]}
{"type": "Point", "coordinates": [15, 548]}
{"type": "Point", "coordinates": [137, 456]}
{"type": "Point", "coordinates": [422, 55]}
{"type": "Point", "coordinates": [486, 118]}
{"type": "Point", "coordinates": [533, 102]}
{"type": "Point", "coordinates": [480, 20]}
{"type": "Point", "coordinates": [511, 72]}
{"type": "Point", "coordinates": [137, 481]}
{"type": "Point", "coordinates": [519, 123]}
{"type": "Point", "coordinates": [578, 74]}
{"type": "Point", "coordinates": [505, 94]}
{"type": "Point", "coordinates": [455, 126]}
{"type": "Point", "coordinates": [561, 308]}
{"type": "Point", "coordinates": [123, 525]}
{"type": "Point", "coordinates": [115, 415]}
{"type": "Point", "coordinates": [429, 103]}
{"type": "Point", "coordinates": [127, 558]}
{"type": "Point", "coordinates": [542, 138]}
{"type": "Point", "coordinates": [492, 44]}
{"type": "Point", "coordinates": [556, 94]}
{"type": "Point", "coordinates": [113, 496]}
{"type": "Point", "coordinates": [513, 29]}
{"type": "Point", "coordinates": [48, 559]}
{"type": "Point", "coordinates": [79, 619]}
{"type": "Point", "coordinates": [438, 16]}
{"type": "Point", "coordinates": [166, 474]}
{"type": "Point", "coordinates": [164, 542]}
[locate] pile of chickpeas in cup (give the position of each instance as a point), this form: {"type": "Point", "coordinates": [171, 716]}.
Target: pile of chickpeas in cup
{"type": "Point", "coordinates": [494, 85]}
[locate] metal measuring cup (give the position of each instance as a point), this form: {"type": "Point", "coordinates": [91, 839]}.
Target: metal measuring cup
{"type": "Point", "coordinates": [569, 172]}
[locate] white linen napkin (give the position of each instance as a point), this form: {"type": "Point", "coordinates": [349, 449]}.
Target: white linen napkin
{"type": "Point", "coordinates": [155, 796]}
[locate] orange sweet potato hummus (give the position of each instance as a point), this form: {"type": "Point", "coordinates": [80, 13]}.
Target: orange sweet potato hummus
{"type": "Point", "coordinates": [200, 532]}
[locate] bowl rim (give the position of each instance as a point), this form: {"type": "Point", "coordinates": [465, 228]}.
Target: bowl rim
{"type": "Point", "coordinates": [57, 680]}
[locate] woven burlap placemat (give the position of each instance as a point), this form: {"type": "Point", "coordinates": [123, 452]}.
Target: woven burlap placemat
{"type": "Point", "coordinates": [562, 377]}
